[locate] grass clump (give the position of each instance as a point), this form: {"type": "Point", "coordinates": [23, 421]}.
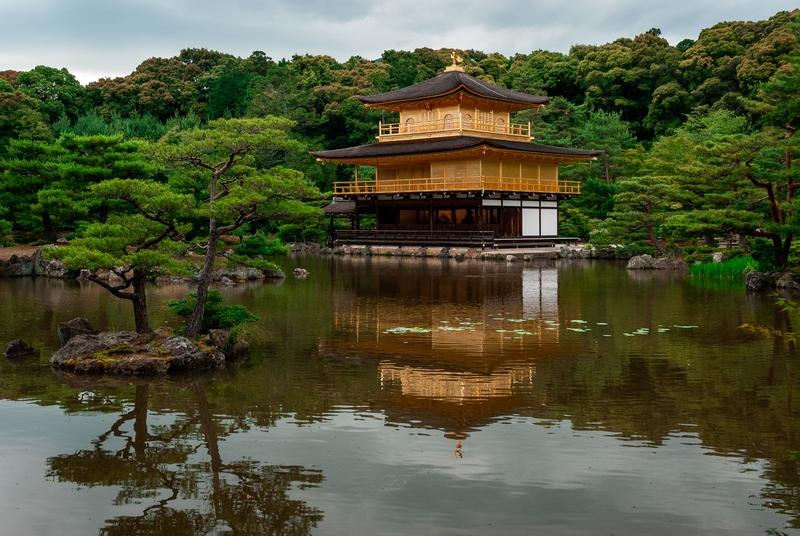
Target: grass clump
{"type": "Point", "coordinates": [730, 269]}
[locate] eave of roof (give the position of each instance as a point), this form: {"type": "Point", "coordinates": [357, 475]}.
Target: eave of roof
{"type": "Point", "coordinates": [338, 206]}
{"type": "Point", "coordinates": [449, 144]}
{"type": "Point", "coordinates": [451, 82]}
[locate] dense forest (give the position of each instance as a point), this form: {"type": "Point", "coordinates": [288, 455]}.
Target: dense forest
{"type": "Point", "coordinates": [698, 137]}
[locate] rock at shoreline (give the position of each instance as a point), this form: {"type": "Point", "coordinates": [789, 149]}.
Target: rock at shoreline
{"type": "Point", "coordinates": [754, 280]}
{"type": "Point", "coordinates": [300, 272]}
{"type": "Point", "coordinates": [47, 268]}
{"type": "Point", "coordinates": [640, 262]}
{"type": "Point", "coordinates": [77, 326]}
{"type": "Point", "coordinates": [786, 281]}
{"type": "Point", "coordinates": [17, 349]}
{"type": "Point", "coordinates": [670, 264]}
{"type": "Point", "coordinates": [129, 353]}
{"type": "Point", "coordinates": [85, 345]}
{"type": "Point", "coordinates": [218, 337]}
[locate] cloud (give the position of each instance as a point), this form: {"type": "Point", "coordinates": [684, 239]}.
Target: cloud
{"type": "Point", "coordinates": [94, 38]}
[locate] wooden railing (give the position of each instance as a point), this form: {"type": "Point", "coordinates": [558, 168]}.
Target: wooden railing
{"type": "Point", "coordinates": [416, 238]}
{"type": "Point", "coordinates": [456, 184]}
{"type": "Point", "coordinates": [453, 125]}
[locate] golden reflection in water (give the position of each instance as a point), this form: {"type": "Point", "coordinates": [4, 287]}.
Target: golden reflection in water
{"type": "Point", "coordinates": [452, 354]}
{"type": "Point", "coordinates": [454, 386]}
{"type": "Point", "coordinates": [474, 322]}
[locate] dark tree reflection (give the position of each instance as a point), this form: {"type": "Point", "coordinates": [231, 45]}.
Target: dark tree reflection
{"type": "Point", "coordinates": [177, 473]}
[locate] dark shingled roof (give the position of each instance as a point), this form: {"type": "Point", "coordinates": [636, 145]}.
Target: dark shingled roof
{"type": "Point", "coordinates": [339, 206]}
{"type": "Point", "coordinates": [450, 82]}
{"type": "Point", "coordinates": [453, 143]}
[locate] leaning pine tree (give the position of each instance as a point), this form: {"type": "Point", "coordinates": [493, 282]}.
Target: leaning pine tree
{"type": "Point", "coordinates": [134, 246]}
{"type": "Point", "coordinates": [219, 164]}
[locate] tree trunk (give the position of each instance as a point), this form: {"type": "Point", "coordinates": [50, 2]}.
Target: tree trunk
{"type": "Point", "coordinates": [743, 241]}
{"type": "Point", "coordinates": [209, 431]}
{"type": "Point", "coordinates": [47, 225]}
{"type": "Point", "coordinates": [782, 247]}
{"type": "Point", "coordinates": [140, 303]}
{"type": "Point", "coordinates": [655, 242]}
{"type": "Point", "coordinates": [710, 242]}
{"type": "Point", "coordinates": [140, 431]}
{"type": "Point", "coordinates": [196, 320]}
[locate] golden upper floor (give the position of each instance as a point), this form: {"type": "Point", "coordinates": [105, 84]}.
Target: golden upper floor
{"type": "Point", "coordinates": [454, 104]}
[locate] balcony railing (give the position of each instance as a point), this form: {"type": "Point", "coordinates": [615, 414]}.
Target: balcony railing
{"type": "Point", "coordinates": [457, 184]}
{"type": "Point", "coordinates": [454, 125]}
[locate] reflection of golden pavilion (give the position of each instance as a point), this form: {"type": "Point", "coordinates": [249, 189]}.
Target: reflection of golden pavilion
{"type": "Point", "coordinates": [456, 344]}
{"type": "Point", "coordinates": [472, 322]}
{"type": "Point", "coordinates": [454, 386]}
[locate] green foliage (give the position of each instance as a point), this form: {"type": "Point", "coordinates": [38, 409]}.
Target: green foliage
{"type": "Point", "coordinates": [58, 92]}
{"type": "Point", "coordinates": [217, 316]}
{"type": "Point", "coordinates": [5, 228]}
{"type": "Point", "coordinates": [573, 222]}
{"type": "Point", "coordinates": [47, 186]}
{"type": "Point", "coordinates": [763, 252]}
{"type": "Point", "coordinates": [290, 232]}
{"type": "Point", "coordinates": [20, 118]}
{"type": "Point", "coordinates": [730, 269]}
{"type": "Point", "coordinates": [260, 244]}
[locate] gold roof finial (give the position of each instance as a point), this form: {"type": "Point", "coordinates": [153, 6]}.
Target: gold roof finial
{"type": "Point", "coordinates": [456, 57]}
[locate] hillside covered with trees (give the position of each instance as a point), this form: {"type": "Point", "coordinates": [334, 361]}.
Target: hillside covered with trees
{"type": "Point", "coordinates": [698, 136]}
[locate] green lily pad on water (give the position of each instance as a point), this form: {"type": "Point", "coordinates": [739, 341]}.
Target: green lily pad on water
{"type": "Point", "coordinates": [401, 330]}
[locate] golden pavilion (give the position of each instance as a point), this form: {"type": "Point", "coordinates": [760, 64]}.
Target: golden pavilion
{"type": "Point", "coordinates": [455, 169]}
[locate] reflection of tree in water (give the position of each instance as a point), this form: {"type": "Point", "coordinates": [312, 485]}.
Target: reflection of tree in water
{"type": "Point", "coordinates": [158, 465]}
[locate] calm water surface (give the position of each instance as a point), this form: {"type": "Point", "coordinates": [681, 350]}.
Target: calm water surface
{"type": "Point", "coordinates": [404, 396]}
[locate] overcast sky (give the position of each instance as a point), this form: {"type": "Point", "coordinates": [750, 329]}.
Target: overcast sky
{"type": "Point", "coordinates": [99, 38]}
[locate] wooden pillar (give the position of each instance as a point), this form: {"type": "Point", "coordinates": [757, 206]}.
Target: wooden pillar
{"type": "Point", "coordinates": [430, 219]}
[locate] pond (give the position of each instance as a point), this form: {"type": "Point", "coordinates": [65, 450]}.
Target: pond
{"type": "Point", "coordinates": [417, 396]}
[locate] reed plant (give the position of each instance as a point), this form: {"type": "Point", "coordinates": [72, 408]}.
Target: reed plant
{"type": "Point", "coordinates": [731, 269]}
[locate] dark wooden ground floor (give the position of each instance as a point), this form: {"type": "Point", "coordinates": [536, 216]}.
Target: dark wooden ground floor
{"type": "Point", "coordinates": [503, 217]}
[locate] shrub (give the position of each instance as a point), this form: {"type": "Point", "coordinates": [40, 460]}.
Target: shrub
{"type": "Point", "coordinates": [290, 232]}
{"type": "Point", "coordinates": [216, 316]}
{"type": "Point", "coordinates": [315, 236]}
{"type": "Point", "coordinates": [763, 252]}
{"type": "Point", "coordinates": [573, 222]}
{"type": "Point", "coordinates": [260, 244]}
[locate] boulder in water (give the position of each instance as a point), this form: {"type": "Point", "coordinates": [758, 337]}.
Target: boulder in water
{"type": "Point", "coordinates": [754, 280]}
{"type": "Point", "coordinates": [77, 326]}
{"type": "Point", "coordinates": [640, 262]}
{"type": "Point", "coordinates": [17, 349]}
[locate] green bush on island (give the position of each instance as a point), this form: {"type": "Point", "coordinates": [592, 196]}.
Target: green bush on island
{"type": "Point", "coordinates": [217, 316]}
